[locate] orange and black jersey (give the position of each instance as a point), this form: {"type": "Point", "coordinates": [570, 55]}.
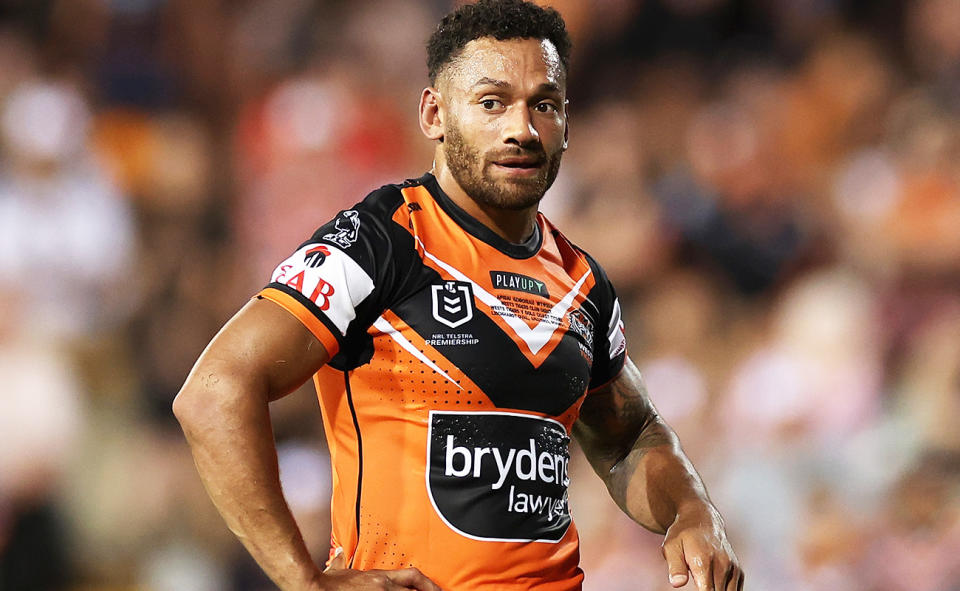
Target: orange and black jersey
{"type": "Point", "coordinates": [459, 363]}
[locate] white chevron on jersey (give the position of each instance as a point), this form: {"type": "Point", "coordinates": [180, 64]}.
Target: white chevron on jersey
{"type": "Point", "coordinates": [536, 337]}
{"type": "Point", "coordinates": [386, 328]}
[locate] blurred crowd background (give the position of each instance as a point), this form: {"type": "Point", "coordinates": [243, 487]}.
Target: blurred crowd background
{"type": "Point", "coordinates": [773, 186]}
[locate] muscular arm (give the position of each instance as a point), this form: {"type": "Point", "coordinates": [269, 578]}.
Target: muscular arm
{"type": "Point", "coordinates": [639, 458]}
{"type": "Point", "coordinates": [262, 354]}
{"type": "Point", "coordinates": [636, 453]}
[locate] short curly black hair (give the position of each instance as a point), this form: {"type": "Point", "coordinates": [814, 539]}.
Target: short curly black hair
{"type": "Point", "coordinates": [500, 19]}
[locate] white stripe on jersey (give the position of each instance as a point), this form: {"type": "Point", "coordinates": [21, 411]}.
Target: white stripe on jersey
{"type": "Point", "coordinates": [386, 328]}
{"type": "Point", "coordinates": [615, 336]}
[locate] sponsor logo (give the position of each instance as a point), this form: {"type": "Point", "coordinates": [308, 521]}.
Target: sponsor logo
{"type": "Point", "coordinates": [346, 224]}
{"type": "Point", "coordinates": [315, 256]}
{"type": "Point", "coordinates": [329, 278]}
{"type": "Point", "coordinates": [619, 344]}
{"type": "Point", "coordinates": [499, 476]}
{"type": "Point", "coordinates": [534, 337]}
{"type": "Point", "coordinates": [452, 303]}
{"type": "Point", "coordinates": [319, 290]}
{"type": "Point", "coordinates": [518, 282]}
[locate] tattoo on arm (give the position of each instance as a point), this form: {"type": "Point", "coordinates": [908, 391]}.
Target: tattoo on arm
{"type": "Point", "coordinates": [618, 425]}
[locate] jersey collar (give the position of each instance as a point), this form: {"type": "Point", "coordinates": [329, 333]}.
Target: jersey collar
{"type": "Point", "coordinates": [477, 229]}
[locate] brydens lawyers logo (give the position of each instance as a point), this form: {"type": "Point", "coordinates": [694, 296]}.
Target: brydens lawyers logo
{"type": "Point", "coordinates": [499, 476]}
{"type": "Point", "coordinates": [452, 303]}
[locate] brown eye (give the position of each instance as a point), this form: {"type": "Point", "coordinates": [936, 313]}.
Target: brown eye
{"type": "Point", "coordinates": [490, 104]}
{"type": "Point", "coordinates": [546, 108]}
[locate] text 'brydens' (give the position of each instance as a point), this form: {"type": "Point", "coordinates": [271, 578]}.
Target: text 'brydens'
{"type": "Point", "coordinates": [499, 475]}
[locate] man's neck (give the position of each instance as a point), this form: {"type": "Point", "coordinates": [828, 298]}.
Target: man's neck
{"type": "Point", "coordinates": [513, 225]}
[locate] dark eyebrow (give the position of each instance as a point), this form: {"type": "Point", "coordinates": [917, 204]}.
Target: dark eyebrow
{"type": "Point", "coordinates": [492, 82]}
{"type": "Point", "coordinates": [546, 87]}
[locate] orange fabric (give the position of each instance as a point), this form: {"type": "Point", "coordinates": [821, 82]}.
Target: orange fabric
{"type": "Point", "coordinates": [443, 237]}
{"type": "Point", "coordinates": [316, 327]}
{"type": "Point", "coordinates": [393, 396]}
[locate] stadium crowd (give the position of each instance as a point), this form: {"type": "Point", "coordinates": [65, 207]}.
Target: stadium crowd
{"type": "Point", "coordinates": [773, 187]}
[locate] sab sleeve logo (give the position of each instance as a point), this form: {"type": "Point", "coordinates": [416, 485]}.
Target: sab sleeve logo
{"type": "Point", "coordinates": [453, 303]}
{"type": "Point", "coordinates": [329, 278]}
{"type": "Point", "coordinates": [499, 476]}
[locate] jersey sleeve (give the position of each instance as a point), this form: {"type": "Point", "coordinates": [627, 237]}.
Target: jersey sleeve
{"type": "Point", "coordinates": [340, 269]}
{"type": "Point", "coordinates": [609, 342]}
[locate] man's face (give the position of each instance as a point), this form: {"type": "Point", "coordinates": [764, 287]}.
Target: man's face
{"type": "Point", "coordinates": [506, 121]}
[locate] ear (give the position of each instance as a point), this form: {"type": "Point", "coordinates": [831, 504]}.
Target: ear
{"type": "Point", "coordinates": [431, 117]}
{"type": "Point", "coordinates": [566, 124]}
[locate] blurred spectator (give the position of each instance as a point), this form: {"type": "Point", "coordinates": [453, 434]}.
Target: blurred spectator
{"type": "Point", "coordinates": [66, 250]}
{"type": "Point", "coordinates": [909, 549]}
{"type": "Point", "coordinates": [41, 418]}
{"type": "Point", "coordinates": [62, 221]}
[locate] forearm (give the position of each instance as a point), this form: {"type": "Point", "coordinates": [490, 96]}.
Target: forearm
{"type": "Point", "coordinates": [638, 455]}
{"type": "Point", "coordinates": [654, 482]}
{"type": "Point", "coordinates": [227, 425]}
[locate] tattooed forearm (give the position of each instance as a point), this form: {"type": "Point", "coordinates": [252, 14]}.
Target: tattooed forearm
{"type": "Point", "coordinates": [618, 419]}
{"type": "Point", "coordinates": [635, 452]}
{"type": "Point", "coordinates": [636, 413]}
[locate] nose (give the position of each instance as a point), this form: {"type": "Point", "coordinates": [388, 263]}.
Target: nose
{"type": "Point", "coordinates": [518, 127]}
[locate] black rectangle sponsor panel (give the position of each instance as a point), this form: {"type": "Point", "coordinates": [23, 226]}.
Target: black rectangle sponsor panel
{"type": "Point", "coordinates": [499, 476]}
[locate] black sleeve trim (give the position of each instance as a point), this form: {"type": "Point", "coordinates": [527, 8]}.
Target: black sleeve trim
{"type": "Point", "coordinates": [305, 301]}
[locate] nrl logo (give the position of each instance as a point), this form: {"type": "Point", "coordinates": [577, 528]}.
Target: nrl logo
{"type": "Point", "coordinates": [452, 303]}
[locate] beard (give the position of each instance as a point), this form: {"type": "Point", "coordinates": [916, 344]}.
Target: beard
{"type": "Point", "coordinates": [472, 172]}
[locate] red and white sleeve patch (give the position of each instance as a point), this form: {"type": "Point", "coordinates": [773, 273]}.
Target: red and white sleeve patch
{"type": "Point", "coordinates": [329, 278]}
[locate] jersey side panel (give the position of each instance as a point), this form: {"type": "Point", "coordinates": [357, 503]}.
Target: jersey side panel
{"type": "Point", "coordinates": [343, 443]}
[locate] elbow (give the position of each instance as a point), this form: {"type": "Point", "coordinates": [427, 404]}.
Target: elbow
{"type": "Point", "coordinates": [179, 407]}
{"type": "Point", "coordinates": [185, 408]}
{"type": "Point", "coordinates": [200, 412]}
{"type": "Point", "coordinates": [215, 400]}
{"type": "Point", "coordinates": [198, 402]}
